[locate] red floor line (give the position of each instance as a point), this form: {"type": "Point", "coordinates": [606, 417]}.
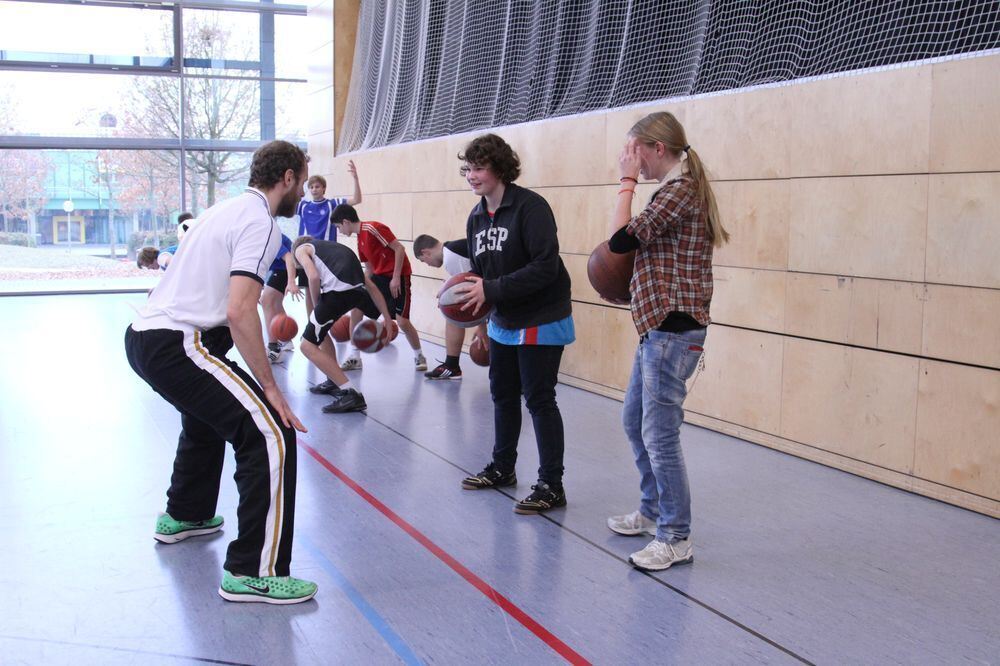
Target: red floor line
{"type": "Point", "coordinates": [532, 625]}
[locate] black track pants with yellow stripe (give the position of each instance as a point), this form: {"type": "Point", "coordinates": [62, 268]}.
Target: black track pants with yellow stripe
{"type": "Point", "coordinates": [219, 402]}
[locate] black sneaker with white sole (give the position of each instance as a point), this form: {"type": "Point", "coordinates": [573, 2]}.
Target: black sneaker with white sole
{"type": "Point", "coordinates": [542, 498]}
{"type": "Point", "coordinates": [444, 372]}
{"type": "Point", "coordinates": [349, 400]}
{"type": "Point", "coordinates": [490, 477]}
{"type": "Point", "coordinates": [324, 388]}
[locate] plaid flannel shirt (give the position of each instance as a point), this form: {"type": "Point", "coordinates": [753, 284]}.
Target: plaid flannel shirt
{"type": "Point", "coordinates": [673, 265]}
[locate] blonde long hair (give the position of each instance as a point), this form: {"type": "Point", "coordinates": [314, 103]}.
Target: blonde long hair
{"type": "Point", "coordinates": [664, 128]}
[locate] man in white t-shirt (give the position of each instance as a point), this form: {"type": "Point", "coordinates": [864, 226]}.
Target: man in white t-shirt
{"type": "Point", "coordinates": [204, 304]}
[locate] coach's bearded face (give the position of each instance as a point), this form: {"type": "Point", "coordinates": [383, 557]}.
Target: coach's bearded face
{"type": "Point", "coordinates": [288, 203]}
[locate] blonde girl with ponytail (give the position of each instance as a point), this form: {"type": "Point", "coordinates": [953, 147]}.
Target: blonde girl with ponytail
{"type": "Point", "coordinates": [671, 291]}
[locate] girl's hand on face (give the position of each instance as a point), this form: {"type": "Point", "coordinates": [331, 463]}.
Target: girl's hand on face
{"type": "Point", "coordinates": [629, 161]}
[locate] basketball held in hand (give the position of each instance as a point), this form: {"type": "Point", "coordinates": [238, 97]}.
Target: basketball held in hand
{"type": "Point", "coordinates": [283, 327]}
{"type": "Point", "coordinates": [452, 299]}
{"type": "Point", "coordinates": [610, 273]}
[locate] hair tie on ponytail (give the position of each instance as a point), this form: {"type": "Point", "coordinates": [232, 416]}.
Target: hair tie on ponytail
{"type": "Point", "coordinates": [686, 148]}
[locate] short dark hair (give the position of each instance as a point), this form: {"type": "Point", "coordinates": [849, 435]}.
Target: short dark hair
{"type": "Point", "coordinates": [146, 256]}
{"type": "Point", "coordinates": [272, 160]}
{"type": "Point", "coordinates": [184, 217]}
{"type": "Point", "coordinates": [492, 151]}
{"type": "Point", "coordinates": [423, 242]}
{"type": "Point", "coordinates": [344, 212]}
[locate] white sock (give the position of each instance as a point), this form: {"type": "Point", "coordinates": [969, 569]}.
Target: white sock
{"type": "Point", "coordinates": [346, 385]}
{"type": "Point", "coordinates": [352, 352]}
{"type": "Point", "coordinates": [418, 352]}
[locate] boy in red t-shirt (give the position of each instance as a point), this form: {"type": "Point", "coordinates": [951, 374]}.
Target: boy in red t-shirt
{"type": "Point", "coordinates": [386, 264]}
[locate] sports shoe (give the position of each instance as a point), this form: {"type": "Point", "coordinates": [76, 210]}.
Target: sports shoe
{"type": "Point", "coordinates": [349, 400]}
{"type": "Point", "coordinates": [287, 345]}
{"type": "Point", "coordinates": [420, 363]}
{"type": "Point", "coordinates": [632, 524]}
{"type": "Point", "coordinates": [543, 498]}
{"type": "Point", "coordinates": [660, 555]}
{"type": "Point", "coordinates": [266, 589]}
{"type": "Point", "coordinates": [169, 530]}
{"type": "Point", "coordinates": [351, 364]}
{"type": "Point", "coordinates": [273, 351]}
{"type": "Point", "coordinates": [444, 372]}
{"type": "Point", "coordinates": [325, 388]}
{"type": "Point", "coordinates": [490, 477]}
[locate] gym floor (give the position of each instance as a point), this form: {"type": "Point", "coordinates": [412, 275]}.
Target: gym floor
{"type": "Point", "coordinates": [794, 562]}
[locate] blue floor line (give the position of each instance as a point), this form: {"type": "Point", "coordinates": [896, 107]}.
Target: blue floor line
{"type": "Point", "coordinates": [380, 624]}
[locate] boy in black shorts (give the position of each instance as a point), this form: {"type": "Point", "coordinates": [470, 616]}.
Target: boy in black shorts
{"type": "Point", "coordinates": [338, 285]}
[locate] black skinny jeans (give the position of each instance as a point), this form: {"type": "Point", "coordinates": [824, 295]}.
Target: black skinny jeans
{"type": "Point", "coordinates": [532, 370]}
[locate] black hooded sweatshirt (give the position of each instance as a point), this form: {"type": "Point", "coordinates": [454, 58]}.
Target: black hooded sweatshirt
{"type": "Point", "coordinates": [517, 254]}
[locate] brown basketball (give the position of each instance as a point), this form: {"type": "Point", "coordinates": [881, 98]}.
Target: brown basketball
{"type": "Point", "coordinates": [341, 330]}
{"type": "Point", "coordinates": [283, 327]}
{"type": "Point", "coordinates": [479, 351]}
{"type": "Point", "coordinates": [610, 273]}
{"type": "Point", "coordinates": [367, 336]}
{"type": "Point", "coordinates": [451, 302]}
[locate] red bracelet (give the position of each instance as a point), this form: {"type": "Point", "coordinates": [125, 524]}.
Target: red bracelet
{"type": "Point", "coordinates": [628, 178]}
{"type": "Point", "coordinates": [625, 189]}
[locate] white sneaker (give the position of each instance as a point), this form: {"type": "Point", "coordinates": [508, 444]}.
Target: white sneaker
{"type": "Point", "coordinates": [420, 362]}
{"type": "Point", "coordinates": [288, 345]}
{"type": "Point", "coordinates": [632, 524]}
{"type": "Point", "coordinates": [659, 555]}
{"type": "Point", "coordinates": [273, 353]}
{"type": "Point", "coordinates": [351, 364]}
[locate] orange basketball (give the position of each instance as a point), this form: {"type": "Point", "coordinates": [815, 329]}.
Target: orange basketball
{"type": "Point", "coordinates": [610, 273]}
{"type": "Point", "coordinates": [341, 330]}
{"type": "Point", "coordinates": [479, 351]}
{"type": "Point", "coordinates": [283, 327]}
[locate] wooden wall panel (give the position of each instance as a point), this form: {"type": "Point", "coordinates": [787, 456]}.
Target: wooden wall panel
{"type": "Point", "coordinates": [849, 125]}
{"type": "Point", "coordinates": [756, 215]}
{"type": "Point", "coordinates": [442, 214]}
{"type": "Point", "coordinates": [854, 402]}
{"type": "Point", "coordinates": [741, 381]}
{"type": "Point", "coordinates": [962, 324]}
{"type": "Point", "coordinates": [900, 313]}
{"type": "Point", "coordinates": [965, 134]}
{"type": "Point", "coordinates": [833, 308]}
{"type": "Point", "coordinates": [749, 298]}
{"type": "Point", "coordinates": [742, 136]}
{"type": "Point", "coordinates": [958, 427]}
{"type": "Point", "coordinates": [572, 154]}
{"type": "Point", "coordinates": [963, 229]}
{"type": "Point", "coordinates": [874, 226]}
{"type": "Point", "coordinates": [604, 347]}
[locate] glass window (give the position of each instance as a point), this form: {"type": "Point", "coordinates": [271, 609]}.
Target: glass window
{"type": "Point", "coordinates": [222, 42]}
{"type": "Point", "coordinates": [222, 109]}
{"type": "Point", "coordinates": [110, 31]}
{"type": "Point", "coordinates": [214, 176]}
{"type": "Point", "coordinates": [291, 46]}
{"type": "Point", "coordinates": [89, 105]}
{"type": "Point", "coordinates": [292, 114]}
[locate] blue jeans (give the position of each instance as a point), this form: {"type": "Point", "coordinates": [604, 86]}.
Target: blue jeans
{"type": "Point", "coordinates": [652, 417]}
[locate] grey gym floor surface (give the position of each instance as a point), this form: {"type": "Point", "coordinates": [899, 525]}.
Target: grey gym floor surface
{"type": "Point", "coordinates": [794, 562]}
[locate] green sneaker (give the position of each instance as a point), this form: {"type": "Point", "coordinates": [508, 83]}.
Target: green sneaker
{"type": "Point", "coordinates": [266, 589]}
{"type": "Point", "coordinates": [169, 530]}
